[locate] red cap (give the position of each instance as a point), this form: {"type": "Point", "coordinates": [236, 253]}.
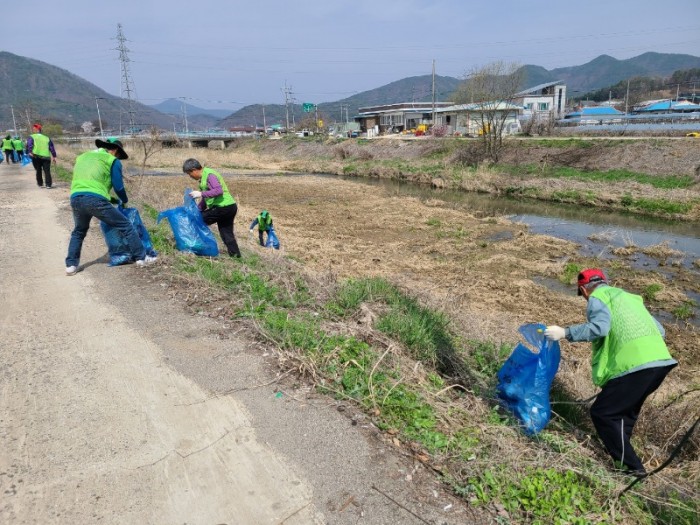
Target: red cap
{"type": "Point", "coordinates": [591, 275]}
{"type": "Point", "coordinates": [37, 126]}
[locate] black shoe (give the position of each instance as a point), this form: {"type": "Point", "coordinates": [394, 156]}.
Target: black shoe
{"type": "Point", "coordinates": [49, 187]}
{"type": "Point", "coordinates": [235, 255]}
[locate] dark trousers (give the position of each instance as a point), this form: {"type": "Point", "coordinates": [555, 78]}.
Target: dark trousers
{"type": "Point", "coordinates": [42, 163]}
{"type": "Point", "coordinates": [223, 217]}
{"type": "Point", "coordinates": [617, 408]}
{"type": "Point", "coordinates": [85, 207]}
{"type": "Point", "coordinates": [9, 157]}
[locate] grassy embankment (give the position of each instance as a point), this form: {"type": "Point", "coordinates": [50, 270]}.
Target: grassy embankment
{"type": "Point", "coordinates": [430, 390]}
{"type": "Point", "coordinates": [456, 164]}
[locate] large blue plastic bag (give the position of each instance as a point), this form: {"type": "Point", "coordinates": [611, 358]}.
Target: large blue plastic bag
{"type": "Point", "coordinates": [272, 240]}
{"type": "Point", "coordinates": [26, 159]}
{"type": "Point", "coordinates": [190, 231]}
{"type": "Point", "coordinates": [119, 252]}
{"type": "Point", "coordinates": [526, 377]}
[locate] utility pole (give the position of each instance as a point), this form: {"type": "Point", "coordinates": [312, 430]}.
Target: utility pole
{"type": "Point", "coordinates": [287, 90]}
{"type": "Point", "coordinates": [127, 85]}
{"type": "Point", "coordinates": [99, 118]}
{"type": "Point", "coordinates": [14, 124]}
{"type": "Point", "coordinates": [264, 121]}
{"type": "Point", "coordinates": [184, 115]}
{"type": "Point", "coordinates": [433, 92]}
{"type": "Point", "coordinates": [627, 96]}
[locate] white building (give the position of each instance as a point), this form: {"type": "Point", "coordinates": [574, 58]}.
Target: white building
{"type": "Point", "coordinates": [543, 102]}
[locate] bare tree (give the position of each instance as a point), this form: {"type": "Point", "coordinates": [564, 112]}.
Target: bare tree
{"type": "Point", "coordinates": [489, 92]}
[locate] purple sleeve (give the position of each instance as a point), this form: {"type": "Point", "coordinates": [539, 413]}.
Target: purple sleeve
{"type": "Point", "coordinates": [214, 189]}
{"type": "Point", "coordinates": [52, 149]}
{"type": "Point", "coordinates": [30, 144]}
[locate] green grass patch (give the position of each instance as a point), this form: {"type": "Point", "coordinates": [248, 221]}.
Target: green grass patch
{"type": "Point", "coordinates": [650, 291]}
{"type": "Point", "coordinates": [655, 206]}
{"type": "Point", "coordinates": [540, 495]}
{"type": "Point", "coordinates": [570, 273]}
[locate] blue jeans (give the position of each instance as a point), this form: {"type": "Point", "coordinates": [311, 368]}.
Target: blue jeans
{"type": "Point", "coordinates": [85, 207]}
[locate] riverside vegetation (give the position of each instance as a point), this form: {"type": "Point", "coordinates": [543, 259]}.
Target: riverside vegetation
{"type": "Point", "coordinates": [407, 308]}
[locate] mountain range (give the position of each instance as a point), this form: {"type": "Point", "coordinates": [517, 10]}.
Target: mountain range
{"type": "Point", "coordinates": [40, 91]}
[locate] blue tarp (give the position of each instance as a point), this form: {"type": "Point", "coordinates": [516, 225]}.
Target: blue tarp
{"type": "Point", "coordinates": [190, 231]}
{"type": "Point", "coordinates": [526, 377]}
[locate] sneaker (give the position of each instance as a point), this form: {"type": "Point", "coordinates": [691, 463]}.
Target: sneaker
{"type": "Point", "coordinates": [149, 259]}
{"type": "Point", "coordinates": [71, 270]}
{"type": "Point", "coordinates": [49, 187]}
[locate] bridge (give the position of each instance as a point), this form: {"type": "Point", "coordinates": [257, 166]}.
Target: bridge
{"type": "Point", "coordinates": [192, 139]}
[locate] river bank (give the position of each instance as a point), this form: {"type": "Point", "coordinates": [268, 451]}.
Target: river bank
{"type": "Point", "coordinates": [653, 177]}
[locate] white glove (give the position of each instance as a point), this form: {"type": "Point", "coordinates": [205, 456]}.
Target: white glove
{"type": "Point", "coordinates": [195, 194]}
{"type": "Point", "coordinates": [554, 333]}
{"type": "Point", "coordinates": [250, 231]}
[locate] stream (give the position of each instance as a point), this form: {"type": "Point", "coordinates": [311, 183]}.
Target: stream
{"type": "Point", "coordinates": [598, 232]}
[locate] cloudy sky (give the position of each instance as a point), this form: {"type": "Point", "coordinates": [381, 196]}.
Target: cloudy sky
{"type": "Point", "coordinates": [227, 54]}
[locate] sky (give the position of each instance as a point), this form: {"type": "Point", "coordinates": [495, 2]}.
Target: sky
{"type": "Point", "coordinates": [218, 54]}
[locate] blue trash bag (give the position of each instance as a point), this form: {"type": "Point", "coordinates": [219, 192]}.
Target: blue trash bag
{"type": "Point", "coordinates": [117, 246]}
{"type": "Point", "coordinates": [26, 159]}
{"type": "Point", "coordinates": [272, 240]}
{"type": "Point", "coordinates": [190, 231]}
{"type": "Point", "coordinates": [526, 377]}
{"type": "Point", "coordinates": [15, 156]}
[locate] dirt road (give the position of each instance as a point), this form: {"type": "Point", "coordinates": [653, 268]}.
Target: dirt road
{"type": "Point", "coordinates": [118, 407]}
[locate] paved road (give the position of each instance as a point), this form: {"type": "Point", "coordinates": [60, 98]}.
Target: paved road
{"type": "Point", "coordinates": [116, 404]}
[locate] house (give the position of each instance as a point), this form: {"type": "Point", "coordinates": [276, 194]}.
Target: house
{"type": "Point", "coordinates": [394, 118]}
{"type": "Point", "coordinates": [666, 106]}
{"type": "Point", "coordinates": [593, 115]}
{"type": "Point", "coordinates": [473, 119]}
{"type": "Point", "coordinates": [543, 102]}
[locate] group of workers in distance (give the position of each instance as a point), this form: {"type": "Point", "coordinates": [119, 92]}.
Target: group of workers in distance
{"type": "Point", "coordinates": [629, 355]}
{"type": "Point", "coordinates": [39, 148]}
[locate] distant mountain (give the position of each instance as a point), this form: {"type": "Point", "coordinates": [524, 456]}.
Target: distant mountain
{"type": "Point", "coordinates": [179, 108]}
{"type": "Point", "coordinates": [411, 89]}
{"type": "Point", "coordinates": [605, 70]}
{"type": "Point", "coordinates": [38, 91]}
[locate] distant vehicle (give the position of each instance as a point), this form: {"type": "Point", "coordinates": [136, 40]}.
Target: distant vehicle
{"type": "Point", "coordinates": [695, 134]}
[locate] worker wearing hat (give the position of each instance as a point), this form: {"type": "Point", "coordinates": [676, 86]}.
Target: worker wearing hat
{"type": "Point", "coordinates": [95, 174]}
{"type": "Point", "coordinates": [630, 361]}
{"type": "Point", "coordinates": [42, 151]}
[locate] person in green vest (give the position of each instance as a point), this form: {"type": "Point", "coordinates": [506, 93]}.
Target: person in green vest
{"type": "Point", "coordinates": [8, 149]}
{"type": "Point", "coordinates": [264, 223]}
{"type": "Point", "coordinates": [18, 144]}
{"type": "Point", "coordinates": [95, 174]}
{"type": "Point", "coordinates": [42, 151]}
{"type": "Point", "coordinates": [216, 204]}
{"type": "Point", "coordinates": [630, 361]}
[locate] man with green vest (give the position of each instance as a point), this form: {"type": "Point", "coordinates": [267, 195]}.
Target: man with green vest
{"type": "Point", "coordinates": [8, 149]}
{"type": "Point", "coordinates": [95, 174]}
{"type": "Point", "coordinates": [630, 361]}
{"type": "Point", "coordinates": [41, 150]}
{"type": "Point", "coordinates": [18, 144]}
{"type": "Point", "coordinates": [216, 204]}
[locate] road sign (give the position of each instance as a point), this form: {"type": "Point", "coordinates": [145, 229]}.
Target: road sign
{"type": "Point", "coordinates": [308, 107]}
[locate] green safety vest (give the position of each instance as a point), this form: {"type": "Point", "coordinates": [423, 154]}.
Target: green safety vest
{"type": "Point", "coordinates": [633, 340]}
{"type": "Point", "coordinates": [220, 200]}
{"type": "Point", "coordinates": [92, 173]}
{"type": "Point", "coordinates": [18, 144]}
{"type": "Point", "coordinates": [41, 145]}
{"type": "Point", "coordinates": [7, 144]}
{"type": "Point", "coordinates": [264, 224]}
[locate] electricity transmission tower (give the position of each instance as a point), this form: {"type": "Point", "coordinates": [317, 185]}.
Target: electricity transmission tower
{"type": "Point", "coordinates": [127, 86]}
